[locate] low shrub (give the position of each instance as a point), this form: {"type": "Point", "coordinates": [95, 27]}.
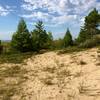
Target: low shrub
{"type": "Point", "coordinates": [95, 41]}
{"type": "Point", "coordinates": [70, 50]}
{"type": "Point", "coordinates": [15, 58]}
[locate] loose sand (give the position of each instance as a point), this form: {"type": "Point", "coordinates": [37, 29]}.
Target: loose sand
{"type": "Point", "coordinates": [50, 76]}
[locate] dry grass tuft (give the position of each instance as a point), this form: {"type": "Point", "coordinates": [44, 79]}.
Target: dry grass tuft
{"type": "Point", "coordinates": [82, 62]}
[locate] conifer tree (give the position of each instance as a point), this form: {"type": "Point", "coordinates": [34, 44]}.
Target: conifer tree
{"type": "Point", "coordinates": [21, 39]}
{"type": "Point", "coordinates": [90, 28]}
{"type": "Point", "coordinates": [92, 22]}
{"type": "Point", "coordinates": [39, 37]}
{"type": "Point", "coordinates": [67, 41]}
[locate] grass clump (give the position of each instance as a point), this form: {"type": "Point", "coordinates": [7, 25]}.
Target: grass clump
{"type": "Point", "coordinates": [89, 43]}
{"type": "Point", "coordinates": [64, 73]}
{"type": "Point", "coordinates": [14, 58]}
{"type": "Point", "coordinates": [50, 70]}
{"type": "Point", "coordinates": [71, 50]}
{"type": "Point", "coordinates": [48, 81]}
{"type": "Point", "coordinates": [11, 79]}
{"type": "Point", "coordinates": [82, 62]}
{"type": "Point", "coordinates": [13, 71]}
{"type": "Point", "coordinates": [98, 64]}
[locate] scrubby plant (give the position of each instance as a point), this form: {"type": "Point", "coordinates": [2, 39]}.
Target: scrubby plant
{"type": "Point", "coordinates": [89, 43]}
{"type": "Point", "coordinates": [58, 44]}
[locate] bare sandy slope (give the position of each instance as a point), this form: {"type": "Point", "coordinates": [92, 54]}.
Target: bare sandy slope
{"type": "Point", "coordinates": [50, 76]}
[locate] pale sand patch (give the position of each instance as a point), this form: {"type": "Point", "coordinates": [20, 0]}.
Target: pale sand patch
{"type": "Point", "coordinates": [61, 77]}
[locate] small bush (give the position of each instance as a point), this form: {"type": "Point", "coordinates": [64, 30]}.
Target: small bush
{"type": "Point", "coordinates": [70, 50]}
{"type": "Point", "coordinates": [15, 58]}
{"type": "Point", "coordinates": [95, 41]}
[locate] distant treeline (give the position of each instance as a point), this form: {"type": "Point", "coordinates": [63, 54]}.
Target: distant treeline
{"type": "Point", "coordinates": [40, 39]}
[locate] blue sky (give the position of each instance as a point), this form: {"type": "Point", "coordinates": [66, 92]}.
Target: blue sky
{"type": "Point", "coordinates": [57, 15]}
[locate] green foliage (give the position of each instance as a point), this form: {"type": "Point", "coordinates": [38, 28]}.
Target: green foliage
{"type": "Point", "coordinates": [71, 50]}
{"type": "Point", "coordinates": [89, 43]}
{"type": "Point", "coordinates": [21, 39]}
{"type": "Point", "coordinates": [58, 44]}
{"type": "Point", "coordinates": [35, 40]}
{"type": "Point", "coordinates": [39, 37]}
{"type": "Point", "coordinates": [15, 58]}
{"type": "Point", "coordinates": [50, 36]}
{"type": "Point", "coordinates": [50, 40]}
{"type": "Point", "coordinates": [67, 41]}
{"type": "Point", "coordinates": [83, 36]}
{"type": "Point", "coordinates": [92, 22]}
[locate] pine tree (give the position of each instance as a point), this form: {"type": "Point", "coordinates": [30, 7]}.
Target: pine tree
{"type": "Point", "coordinates": [39, 37]}
{"type": "Point", "coordinates": [21, 39]}
{"type": "Point", "coordinates": [92, 22]}
{"type": "Point", "coordinates": [67, 41]}
{"type": "Point", "coordinates": [90, 28]}
{"type": "Point", "coordinates": [84, 35]}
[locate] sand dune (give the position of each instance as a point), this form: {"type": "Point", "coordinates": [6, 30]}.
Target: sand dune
{"type": "Point", "coordinates": [50, 76]}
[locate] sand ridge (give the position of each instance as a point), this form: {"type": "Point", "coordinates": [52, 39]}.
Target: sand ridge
{"type": "Point", "coordinates": [50, 76]}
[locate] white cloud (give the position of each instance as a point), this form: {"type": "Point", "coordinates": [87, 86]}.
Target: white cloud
{"type": "Point", "coordinates": [64, 19]}
{"type": "Point", "coordinates": [58, 11]}
{"type": "Point", "coordinates": [39, 15]}
{"type": "Point", "coordinates": [98, 6]}
{"type": "Point", "coordinates": [4, 11]}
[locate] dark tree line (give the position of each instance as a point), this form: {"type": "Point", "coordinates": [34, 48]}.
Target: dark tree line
{"type": "Point", "coordinates": [25, 41]}
{"type": "Point", "coordinates": [39, 38]}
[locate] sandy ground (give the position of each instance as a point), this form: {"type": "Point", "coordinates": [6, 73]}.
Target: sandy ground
{"type": "Point", "coordinates": [51, 76]}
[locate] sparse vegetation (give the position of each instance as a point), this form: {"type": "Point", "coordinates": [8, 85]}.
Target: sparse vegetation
{"type": "Point", "coordinates": [71, 50]}
{"type": "Point", "coordinates": [11, 79]}
{"type": "Point", "coordinates": [15, 58]}
{"type": "Point", "coordinates": [47, 81]}
{"type": "Point", "coordinates": [94, 41]}
{"type": "Point", "coordinates": [78, 74]}
{"type": "Point", "coordinates": [51, 70]}
{"type": "Point", "coordinates": [82, 88]}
